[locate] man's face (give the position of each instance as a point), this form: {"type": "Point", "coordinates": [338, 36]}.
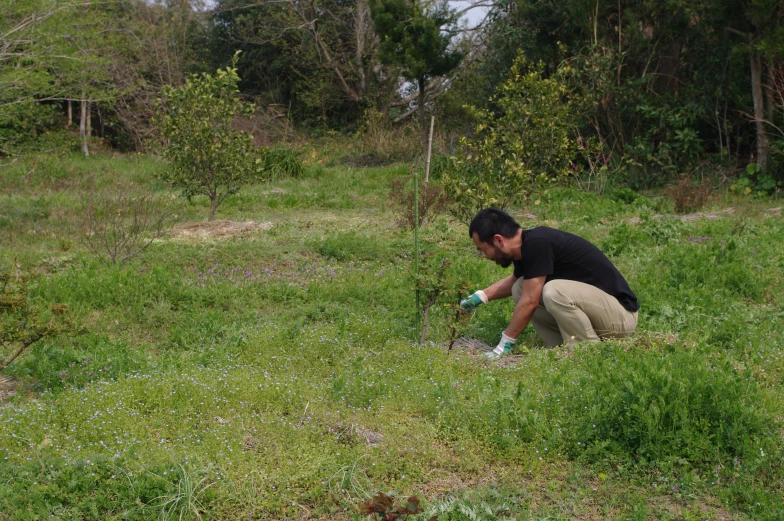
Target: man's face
{"type": "Point", "coordinates": [493, 251]}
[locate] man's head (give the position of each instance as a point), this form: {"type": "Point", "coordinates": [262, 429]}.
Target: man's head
{"type": "Point", "coordinates": [495, 234]}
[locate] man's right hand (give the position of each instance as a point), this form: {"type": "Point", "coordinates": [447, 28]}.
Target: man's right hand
{"type": "Point", "coordinates": [474, 300]}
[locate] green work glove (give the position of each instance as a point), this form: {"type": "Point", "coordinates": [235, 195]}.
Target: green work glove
{"type": "Point", "coordinates": [474, 300]}
{"type": "Point", "coordinates": [503, 348]}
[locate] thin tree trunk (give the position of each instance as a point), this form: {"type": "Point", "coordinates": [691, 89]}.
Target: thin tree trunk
{"type": "Point", "coordinates": [89, 122]}
{"type": "Point", "coordinates": [620, 41]}
{"type": "Point", "coordinates": [425, 322]}
{"type": "Point", "coordinates": [421, 113]}
{"type": "Point", "coordinates": [770, 101]}
{"type": "Point", "coordinates": [83, 127]}
{"type": "Point", "coordinates": [429, 150]}
{"type": "Point", "coordinates": [213, 207]}
{"type": "Point", "coordinates": [759, 111]}
{"type": "Point", "coordinates": [727, 134]}
{"type": "Point", "coordinates": [70, 115]}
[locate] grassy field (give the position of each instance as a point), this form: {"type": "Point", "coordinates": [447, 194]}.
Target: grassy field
{"type": "Point", "coordinates": [274, 374]}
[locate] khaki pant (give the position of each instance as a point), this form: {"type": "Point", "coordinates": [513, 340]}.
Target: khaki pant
{"type": "Point", "coordinates": [571, 312]}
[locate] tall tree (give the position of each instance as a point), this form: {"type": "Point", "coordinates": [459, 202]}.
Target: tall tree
{"type": "Point", "coordinates": [30, 47]}
{"type": "Point", "coordinates": [316, 58]}
{"type": "Point", "coordinates": [758, 24]}
{"type": "Point", "coordinates": [417, 38]}
{"type": "Point", "coordinates": [668, 79]}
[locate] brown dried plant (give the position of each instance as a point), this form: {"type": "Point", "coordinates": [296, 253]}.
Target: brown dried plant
{"type": "Point", "coordinates": [119, 227]}
{"type": "Point", "coordinates": [432, 201]}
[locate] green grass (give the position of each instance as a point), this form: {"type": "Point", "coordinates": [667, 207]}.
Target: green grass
{"type": "Point", "coordinates": [274, 375]}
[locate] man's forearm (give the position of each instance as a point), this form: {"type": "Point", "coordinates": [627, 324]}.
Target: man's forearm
{"type": "Point", "coordinates": [523, 312]}
{"type": "Point", "coordinates": [500, 289]}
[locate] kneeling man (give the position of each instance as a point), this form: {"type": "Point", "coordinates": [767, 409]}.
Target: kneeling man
{"type": "Point", "coordinates": [562, 284]}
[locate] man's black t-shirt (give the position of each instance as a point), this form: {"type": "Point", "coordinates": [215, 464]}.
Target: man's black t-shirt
{"type": "Point", "coordinates": [562, 255]}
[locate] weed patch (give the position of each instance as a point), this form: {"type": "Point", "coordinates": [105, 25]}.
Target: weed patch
{"type": "Point", "coordinates": [277, 375]}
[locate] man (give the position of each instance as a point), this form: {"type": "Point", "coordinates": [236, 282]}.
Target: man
{"type": "Point", "coordinates": [562, 284]}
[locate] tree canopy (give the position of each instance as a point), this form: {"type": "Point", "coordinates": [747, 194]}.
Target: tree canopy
{"type": "Point", "coordinates": [666, 85]}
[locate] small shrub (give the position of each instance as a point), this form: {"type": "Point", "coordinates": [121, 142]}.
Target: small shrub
{"type": "Point", "coordinates": [429, 288]}
{"type": "Point", "coordinates": [432, 201]}
{"type": "Point", "coordinates": [596, 165]}
{"type": "Point", "coordinates": [528, 144]}
{"type": "Point", "coordinates": [437, 283]}
{"type": "Point", "coordinates": [24, 320]}
{"type": "Point", "coordinates": [754, 181]}
{"type": "Point", "coordinates": [208, 155]}
{"type": "Point", "coordinates": [687, 195]}
{"type": "Point", "coordinates": [120, 227]}
{"type": "Point", "coordinates": [624, 195]}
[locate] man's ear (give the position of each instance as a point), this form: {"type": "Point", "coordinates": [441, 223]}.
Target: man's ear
{"type": "Point", "coordinates": [498, 240]}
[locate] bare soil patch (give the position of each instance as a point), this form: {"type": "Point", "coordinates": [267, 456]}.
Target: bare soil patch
{"type": "Point", "coordinates": [7, 388]}
{"type": "Point", "coordinates": [689, 217]}
{"type": "Point", "coordinates": [471, 344]}
{"type": "Point", "coordinates": [216, 229]}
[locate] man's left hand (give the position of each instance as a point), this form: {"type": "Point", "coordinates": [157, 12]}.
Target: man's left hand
{"type": "Point", "coordinates": [503, 348]}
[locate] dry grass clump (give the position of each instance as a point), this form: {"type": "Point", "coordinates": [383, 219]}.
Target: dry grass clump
{"type": "Point", "coordinates": [688, 195]}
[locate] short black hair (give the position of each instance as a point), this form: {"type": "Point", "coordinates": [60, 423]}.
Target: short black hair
{"type": "Point", "coordinates": [490, 222]}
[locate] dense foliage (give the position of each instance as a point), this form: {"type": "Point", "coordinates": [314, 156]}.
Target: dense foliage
{"type": "Point", "coordinates": [528, 142]}
{"type": "Point", "coordinates": [207, 155]}
{"type": "Point", "coordinates": [667, 88]}
{"type": "Point", "coordinates": [416, 37]}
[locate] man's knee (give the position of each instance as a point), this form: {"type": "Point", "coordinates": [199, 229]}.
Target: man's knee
{"type": "Point", "coordinates": [550, 293]}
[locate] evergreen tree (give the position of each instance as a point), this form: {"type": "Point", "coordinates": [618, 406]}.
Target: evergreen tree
{"type": "Point", "coordinates": [417, 39]}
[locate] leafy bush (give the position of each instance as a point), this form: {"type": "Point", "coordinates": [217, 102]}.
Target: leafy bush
{"type": "Point", "coordinates": [755, 181]}
{"type": "Point", "coordinates": [22, 123]}
{"type": "Point", "coordinates": [625, 195]}
{"type": "Point", "coordinates": [208, 156]}
{"type": "Point", "coordinates": [670, 143]}
{"type": "Point", "coordinates": [648, 405]}
{"type": "Point", "coordinates": [663, 405]}
{"type": "Point", "coordinates": [527, 144]}
{"type": "Point", "coordinates": [653, 136]}
{"type": "Point", "coordinates": [23, 319]}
